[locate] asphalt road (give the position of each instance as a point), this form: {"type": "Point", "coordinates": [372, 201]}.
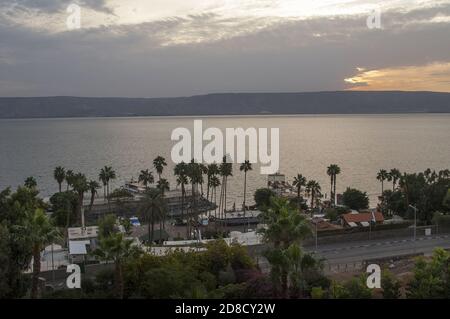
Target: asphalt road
{"type": "Point", "coordinates": [350, 252]}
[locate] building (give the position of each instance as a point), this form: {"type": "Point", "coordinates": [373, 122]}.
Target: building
{"type": "Point", "coordinates": [82, 241]}
{"type": "Point", "coordinates": [361, 219]}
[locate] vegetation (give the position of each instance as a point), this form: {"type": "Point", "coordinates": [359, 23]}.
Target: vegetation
{"type": "Point", "coordinates": [262, 197]}
{"type": "Point", "coordinates": [355, 199]}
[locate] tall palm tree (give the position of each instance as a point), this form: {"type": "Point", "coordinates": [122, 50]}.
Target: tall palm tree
{"type": "Point", "coordinates": [153, 204]}
{"type": "Point", "coordinates": [69, 178]}
{"type": "Point", "coordinates": [146, 177]}
{"type": "Point", "coordinates": [41, 232]}
{"type": "Point", "coordinates": [285, 227]}
{"type": "Point", "coordinates": [212, 170]}
{"type": "Point", "coordinates": [59, 174]}
{"type": "Point", "coordinates": [245, 167]}
{"type": "Point", "coordinates": [162, 186]}
{"type": "Point", "coordinates": [111, 175]}
{"type": "Point", "coordinates": [226, 170]}
{"type": "Point", "coordinates": [299, 182]}
{"type": "Point", "coordinates": [30, 182]}
{"type": "Point", "coordinates": [103, 177]}
{"type": "Point", "coordinates": [117, 249]}
{"type": "Point", "coordinates": [333, 170]}
{"type": "Point", "coordinates": [195, 176]}
{"type": "Point", "coordinates": [314, 190]}
{"type": "Point", "coordinates": [80, 186]}
{"type": "Point", "coordinates": [180, 171]}
{"type": "Point", "coordinates": [93, 186]}
{"type": "Point", "coordinates": [382, 176]}
{"type": "Point", "coordinates": [214, 182]}
{"type": "Point", "coordinates": [159, 163]}
{"type": "Point", "coordinates": [394, 175]}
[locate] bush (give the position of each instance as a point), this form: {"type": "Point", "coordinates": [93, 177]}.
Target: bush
{"type": "Point", "coordinates": [262, 197]}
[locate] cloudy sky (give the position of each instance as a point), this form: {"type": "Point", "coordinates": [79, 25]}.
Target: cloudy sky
{"type": "Point", "coordinates": [158, 48]}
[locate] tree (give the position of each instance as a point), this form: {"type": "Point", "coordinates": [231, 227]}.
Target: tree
{"type": "Point", "coordinates": [262, 197]}
{"type": "Point", "coordinates": [333, 170]}
{"type": "Point", "coordinates": [41, 232]}
{"type": "Point", "coordinates": [106, 175]}
{"type": "Point", "coordinates": [390, 285]}
{"type": "Point", "coordinates": [285, 227]}
{"type": "Point", "coordinates": [159, 163]}
{"type": "Point", "coordinates": [64, 207]}
{"type": "Point", "coordinates": [30, 182]}
{"type": "Point", "coordinates": [226, 170]}
{"type": "Point", "coordinates": [394, 175]}
{"type": "Point", "coordinates": [163, 186]}
{"type": "Point", "coordinates": [355, 199]}
{"type": "Point", "coordinates": [299, 182]}
{"type": "Point", "coordinates": [431, 279]}
{"type": "Point", "coordinates": [69, 178]}
{"type": "Point", "coordinates": [314, 190]}
{"type": "Point", "coordinates": [180, 171]}
{"type": "Point", "coordinates": [80, 186]}
{"type": "Point", "coordinates": [146, 178]}
{"type": "Point", "coordinates": [93, 186]}
{"type": "Point", "coordinates": [382, 176]}
{"type": "Point", "coordinates": [103, 177]}
{"type": "Point", "coordinates": [59, 174]}
{"type": "Point", "coordinates": [212, 171]}
{"type": "Point", "coordinates": [117, 249]}
{"type": "Point", "coordinates": [245, 167]}
{"type": "Point", "coordinates": [214, 182]}
{"type": "Point", "coordinates": [153, 203]}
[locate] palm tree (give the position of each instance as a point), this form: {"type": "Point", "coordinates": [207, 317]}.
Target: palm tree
{"type": "Point", "coordinates": [314, 190]}
{"type": "Point", "coordinates": [394, 175]}
{"type": "Point", "coordinates": [212, 170]}
{"type": "Point", "coordinates": [153, 203]}
{"type": "Point", "coordinates": [214, 182]}
{"type": "Point", "coordinates": [180, 171]}
{"type": "Point", "coordinates": [60, 175]}
{"type": "Point", "coordinates": [117, 249]}
{"type": "Point", "coordinates": [285, 227]}
{"type": "Point", "coordinates": [69, 178]}
{"type": "Point", "coordinates": [159, 163]}
{"type": "Point", "coordinates": [93, 186]}
{"type": "Point", "coordinates": [41, 232]}
{"type": "Point", "coordinates": [299, 182]}
{"type": "Point", "coordinates": [333, 170]}
{"type": "Point", "coordinates": [162, 186]}
{"type": "Point", "coordinates": [195, 175]}
{"type": "Point", "coordinates": [226, 170]}
{"type": "Point", "coordinates": [103, 177]}
{"type": "Point", "coordinates": [30, 182]}
{"type": "Point", "coordinates": [245, 167]}
{"type": "Point", "coordinates": [146, 177]}
{"type": "Point", "coordinates": [80, 186]}
{"type": "Point", "coordinates": [382, 176]}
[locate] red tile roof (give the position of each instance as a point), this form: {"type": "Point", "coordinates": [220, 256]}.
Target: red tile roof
{"type": "Point", "coordinates": [363, 217]}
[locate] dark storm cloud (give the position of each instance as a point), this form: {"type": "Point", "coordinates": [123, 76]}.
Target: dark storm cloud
{"type": "Point", "coordinates": [151, 59]}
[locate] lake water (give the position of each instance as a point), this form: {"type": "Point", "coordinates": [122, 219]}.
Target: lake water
{"type": "Point", "coordinates": [360, 144]}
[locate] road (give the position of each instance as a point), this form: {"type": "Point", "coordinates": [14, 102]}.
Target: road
{"type": "Point", "coordinates": [341, 253]}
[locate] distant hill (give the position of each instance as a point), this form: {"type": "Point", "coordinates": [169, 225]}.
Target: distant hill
{"type": "Point", "coordinates": [230, 104]}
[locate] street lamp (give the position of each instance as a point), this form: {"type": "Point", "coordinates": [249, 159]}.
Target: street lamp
{"type": "Point", "coordinates": [415, 225]}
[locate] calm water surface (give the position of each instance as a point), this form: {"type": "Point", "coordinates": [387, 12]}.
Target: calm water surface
{"type": "Point", "coordinates": [360, 144]}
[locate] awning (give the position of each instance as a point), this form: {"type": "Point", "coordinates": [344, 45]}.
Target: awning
{"type": "Point", "coordinates": [78, 247]}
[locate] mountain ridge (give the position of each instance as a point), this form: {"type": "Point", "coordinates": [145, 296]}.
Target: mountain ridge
{"type": "Point", "coordinates": [325, 102]}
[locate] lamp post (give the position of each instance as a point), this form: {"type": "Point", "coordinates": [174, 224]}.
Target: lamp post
{"type": "Point", "coordinates": [415, 225]}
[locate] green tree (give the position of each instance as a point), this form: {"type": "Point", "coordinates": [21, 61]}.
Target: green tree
{"type": "Point", "coordinates": [152, 205]}
{"type": "Point", "coordinates": [355, 199]}
{"type": "Point", "coordinates": [69, 178]}
{"type": "Point", "coordinates": [333, 170]}
{"type": "Point", "coordinates": [299, 182]}
{"type": "Point", "coordinates": [41, 232]}
{"type": "Point", "coordinates": [146, 178]}
{"type": "Point", "coordinates": [59, 174]}
{"type": "Point", "coordinates": [394, 175]}
{"type": "Point", "coordinates": [382, 176]}
{"type": "Point", "coordinates": [314, 190]}
{"type": "Point", "coordinates": [64, 206]}
{"type": "Point", "coordinates": [180, 172]}
{"type": "Point", "coordinates": [262, 197]}
{"type": "Point", "coordinates": [80, 186]}
{"type": "Point", "coordinates": [93, 186]}
{"type": "Point", "coordinates": [245, 167]}
{"type": "Point", "coordinates": [390, 285]}
{"type": "Point", "coordinates": [117, 249]}
{"type": "Point", "coordinates": [30, 182]}
{"type": "Point", "coordinates": [159, 163]}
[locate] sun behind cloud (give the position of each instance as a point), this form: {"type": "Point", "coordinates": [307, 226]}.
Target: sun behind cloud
{"type": "Point", "coordinates": [430, 77]}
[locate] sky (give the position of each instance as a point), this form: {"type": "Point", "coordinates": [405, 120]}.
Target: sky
{"type": "Point", "coordinates": [166, 48]}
